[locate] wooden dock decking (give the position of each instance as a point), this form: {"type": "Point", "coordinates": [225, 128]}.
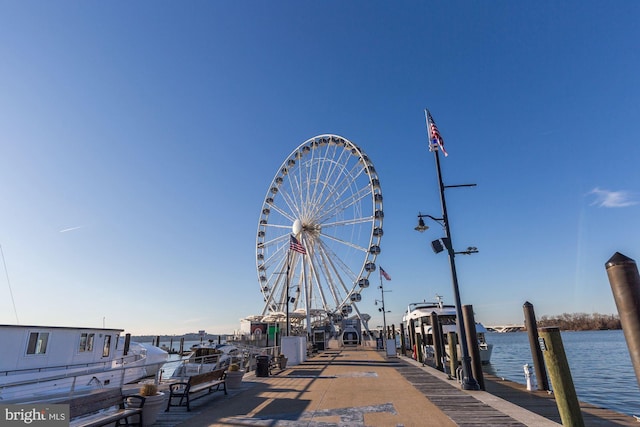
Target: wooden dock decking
{"type": "Point", "coordinates": [358, 387]}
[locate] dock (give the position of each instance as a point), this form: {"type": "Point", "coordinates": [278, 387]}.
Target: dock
{"type": "Point", "coordinates": [362, 387]}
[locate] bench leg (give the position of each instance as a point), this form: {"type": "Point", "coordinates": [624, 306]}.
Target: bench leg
{"type": "Point", "coordinates": [126, 421]}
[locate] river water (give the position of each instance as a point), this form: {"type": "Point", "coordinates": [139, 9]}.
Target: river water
{"type": "Point", "coordinates": [599, 361]}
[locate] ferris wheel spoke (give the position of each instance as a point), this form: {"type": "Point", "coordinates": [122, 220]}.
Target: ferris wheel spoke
{"type": "Point", "coordinates": [345, 204]}
{"type": "Point", "coordinates": [336, 262]}
{"type": "Point", "coordinates": [334, 173]}
{"type": "Point", "coordinates": [368, 220]}
{"type": "Point", "coordinates": [336, 192]}
{"type": "Point", "coordinates": [344, 242]}
{"type": "Point", "coordinates": [282, 212]}
{"type": "Point", "coordinates": [315, 285]}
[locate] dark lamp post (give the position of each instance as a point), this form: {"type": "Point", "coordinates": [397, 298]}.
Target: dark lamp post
{"type": "Point", "coordinates": [468, 382]}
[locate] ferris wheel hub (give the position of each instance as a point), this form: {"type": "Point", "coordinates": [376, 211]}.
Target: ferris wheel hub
{"type": "Point", "coordinates": [296, 227]}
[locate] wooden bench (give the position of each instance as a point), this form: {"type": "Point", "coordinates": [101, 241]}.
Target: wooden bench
{"type": "Point", "coordinates": [196, 384]}
{"type": "Point", "coordinates": [104, 407]}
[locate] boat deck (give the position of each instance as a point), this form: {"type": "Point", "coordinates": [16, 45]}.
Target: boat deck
{"type": "Point", "coordinates": [360, 386]}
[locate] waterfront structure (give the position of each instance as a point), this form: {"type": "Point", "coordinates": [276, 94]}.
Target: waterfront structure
{"type": "Point", "coordinates": [41, 360]}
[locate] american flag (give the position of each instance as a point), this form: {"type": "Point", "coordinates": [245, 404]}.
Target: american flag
{"type": "Point", "coordinates": [384, 274]}
{"type": "Point", "coordinates": [434, 134]}
{"type": "Point", "coordinates": [294, 245]}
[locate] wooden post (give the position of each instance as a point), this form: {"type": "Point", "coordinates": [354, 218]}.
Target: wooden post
{"type": "Point", "coordinates": [561, 381]}
{"type": "Point", "coordinates": [472, 344]}
{"type": "Point", "coordinates": [437, 341]}
{"type": "Point", "coordinates": [452, 338]}
{"type": "Point", "coordinates": [181, 346]}
{"type": "Point", "coordinates": [423, 342]}
{"type": "Point", "coordinates": [127, 343]}
{"type": "Point", "coordinates": [531, 324]}
{"type": "Point", "coordinates": [625, 284]}
{"type": "Point", "coordinates": [403, 343]}
{"type": "Point", "coordinates": [413, 338]}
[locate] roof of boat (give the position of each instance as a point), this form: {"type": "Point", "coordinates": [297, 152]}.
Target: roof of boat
{"type": "Point", "coordinates": [74, 328]}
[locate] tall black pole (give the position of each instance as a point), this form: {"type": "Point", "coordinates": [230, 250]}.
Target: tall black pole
{"type": "Point", "coordinates": [384, 317]}
{"type": "Point", "coordinates": [287, 286]}
{"type": "Point", "coordinates": [468, 382]}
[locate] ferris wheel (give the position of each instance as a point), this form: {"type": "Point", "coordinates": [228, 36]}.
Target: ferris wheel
{"type": "Point", "coordinates": [319, 232]}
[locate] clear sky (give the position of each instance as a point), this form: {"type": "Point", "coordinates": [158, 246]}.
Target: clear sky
{"type": "Point", "coordinates": [138, 140]}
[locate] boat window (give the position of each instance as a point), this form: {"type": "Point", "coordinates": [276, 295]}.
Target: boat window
{"type": "Point", "coordinates": [86, 342]}
{"type": "Point", "coordinates": [106, 349]}
{"type": "Point", "coordinates": [38, 342]}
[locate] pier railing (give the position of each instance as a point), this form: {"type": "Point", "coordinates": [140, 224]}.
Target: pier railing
{"type": "Point", "coordinates": [39, 384]}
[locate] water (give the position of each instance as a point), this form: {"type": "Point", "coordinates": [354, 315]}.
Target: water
{"type": "Point", "coordinates": [599, 361]}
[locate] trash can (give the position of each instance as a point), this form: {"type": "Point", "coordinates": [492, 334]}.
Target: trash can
{"type": "Point", "coordinates": [262, 366]}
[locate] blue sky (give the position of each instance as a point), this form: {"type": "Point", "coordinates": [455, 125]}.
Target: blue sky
{"type": "Point", "coordinates": [138, 139]}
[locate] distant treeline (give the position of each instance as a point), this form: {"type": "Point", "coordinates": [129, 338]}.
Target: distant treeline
{"type": "Point", "coordinates": [581, 321]}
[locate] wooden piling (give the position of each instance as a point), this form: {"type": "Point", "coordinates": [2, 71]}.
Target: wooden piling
{"type": "Point", "coordinates": [531, 324]}
{"type": "Point", "coordinates": [561, 381]}
{"type": "Point", "coordinates": [625, 285]}
{"type": "Point", "coordinates": [472, 344]}
{"type": "Point", "coordinates": [437, 341]}
{"type": "Point", "coordinates": [452, 339]}
{"type": "Point", "coordinates": [127, 343]}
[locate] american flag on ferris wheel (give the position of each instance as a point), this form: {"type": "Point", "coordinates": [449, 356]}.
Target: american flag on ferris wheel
{"type": "Point", "coordinates": [434, 134]}
{"type": "Point", "coordinates": [296, 246]}
{"type": "Point", "coordinates": [384, 274]}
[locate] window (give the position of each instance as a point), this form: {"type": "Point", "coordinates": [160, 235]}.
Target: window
{"type": "Point", "coordinates": [38, 342]}
{"type": "Point", "coordinates": [106, 349]}
{"type": "Point", "coordinates": [86, 342]}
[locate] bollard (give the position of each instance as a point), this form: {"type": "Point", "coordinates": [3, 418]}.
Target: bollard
{"type": "Point", "coordinates": [452, 339]}
{"type": "Point", "coordinates": [625, 284]}
{"type": "Point", "coordinates": [532, 331]}
{"type": "Point", "coordinates": [565, 393]}
{"type": "Point", "coordinates": [530, 378]}
{"type": "Point", "coordinates": [472, 344]}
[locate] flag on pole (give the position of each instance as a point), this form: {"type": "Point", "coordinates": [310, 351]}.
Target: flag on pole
{"type": "Point", "coordinates": [296, 246]}
{"type": "Point", "coordinates": [434, 134]}
{"type": "Point", "coordinates": [384, 274]}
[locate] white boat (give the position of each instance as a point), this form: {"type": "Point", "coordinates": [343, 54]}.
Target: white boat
{"type": "Point", "coordinates": [206, 357]}
{"type": "Point", "coordinates": [420, 315]}
{"type": "Point", "coordinates": [39, 361]}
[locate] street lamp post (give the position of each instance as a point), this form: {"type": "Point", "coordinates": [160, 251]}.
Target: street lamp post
{"type": "Point", "coordinates": [468, 382]}
{"type": "Point", "coordinates": [384, 316]}
{"type": "Point", "coordinates": [384, 320]}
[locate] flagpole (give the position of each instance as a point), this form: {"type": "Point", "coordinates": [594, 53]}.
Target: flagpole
{"type": "Point", "coordinates": [287, 286]}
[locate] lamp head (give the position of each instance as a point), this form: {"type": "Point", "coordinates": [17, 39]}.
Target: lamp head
{"type": "Point", "coordinates": [421, 225]}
